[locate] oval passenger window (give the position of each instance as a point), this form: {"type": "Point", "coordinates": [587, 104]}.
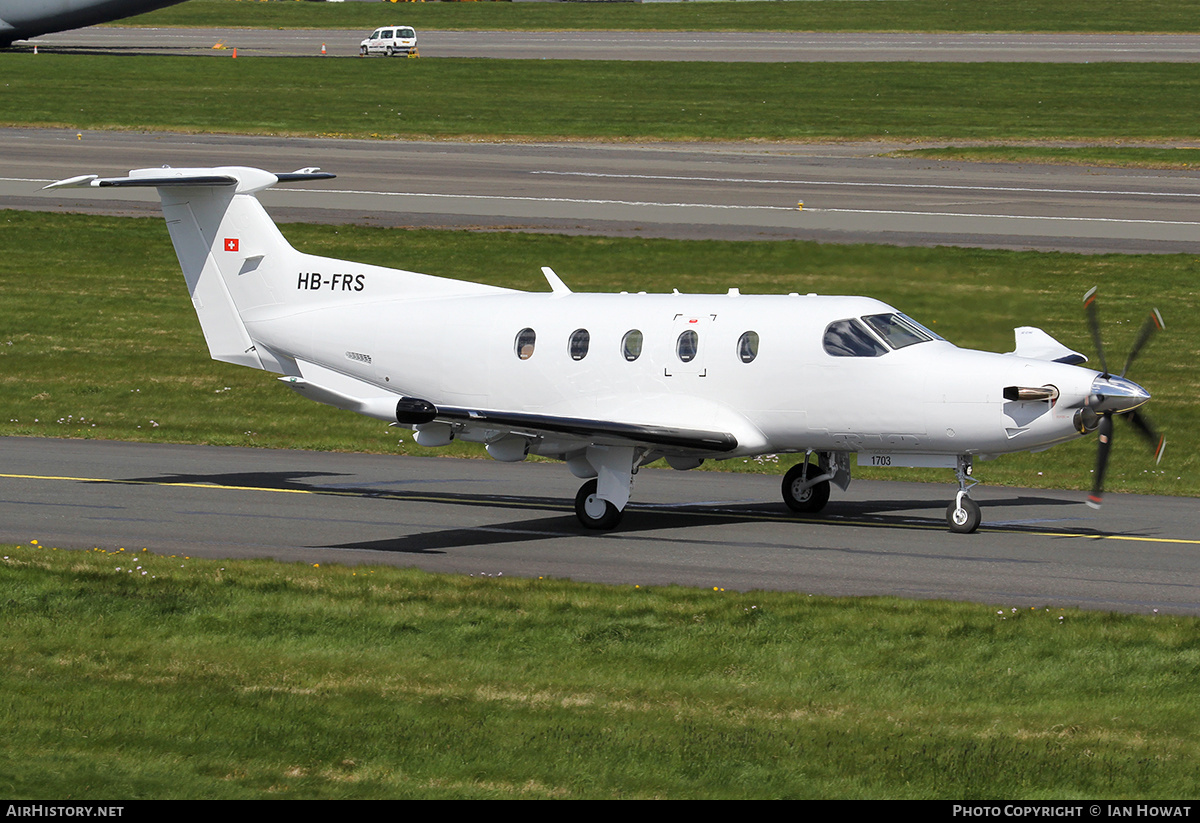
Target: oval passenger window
{"type": "Point", "coordinates": [687, 346]}
{"type": "Point", "coordinates": [748, 346]}
{"type": "Point", "coordinates": [526, 338]}
{"type": "Point", "coordinates": [631, 345]}
{"type": "Point", "coordinates": [580, 340]}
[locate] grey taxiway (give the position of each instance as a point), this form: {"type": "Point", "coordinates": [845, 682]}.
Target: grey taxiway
{"type": "Point", "coordinates": [1036, 548]}
{"type": "Point", "coordinates": [831, 193]}
{"type": "Point", "coordinates": [650, 45]}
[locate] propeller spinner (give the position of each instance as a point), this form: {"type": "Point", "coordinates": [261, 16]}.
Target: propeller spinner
{"type": "Point", "coordinates": [1115, 395]}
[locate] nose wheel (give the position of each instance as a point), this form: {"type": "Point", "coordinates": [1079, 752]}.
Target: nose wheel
{"type": "Point", "coordinates": [963, 515]}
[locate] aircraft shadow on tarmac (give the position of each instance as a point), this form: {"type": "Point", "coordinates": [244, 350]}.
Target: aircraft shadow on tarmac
{"type": "Point", "coordinates": [640, 520]}
{"type": "Point", "coordinates": [645, 522]}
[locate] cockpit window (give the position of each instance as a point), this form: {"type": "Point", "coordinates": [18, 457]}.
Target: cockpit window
{"type": "Point", "coordinates": [850, 338]}
{"type": "Point", "coordinates": [899, 330]}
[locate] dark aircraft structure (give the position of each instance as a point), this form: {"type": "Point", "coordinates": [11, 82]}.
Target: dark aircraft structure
{"type": "Point", "coordinates": [23, 19]}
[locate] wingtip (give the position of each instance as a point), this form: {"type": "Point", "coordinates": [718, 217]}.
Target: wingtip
{"type": "Point", "coordinates": [73, 182]}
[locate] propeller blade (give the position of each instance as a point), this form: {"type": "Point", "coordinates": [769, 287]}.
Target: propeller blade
{"type": "Point", "coordinates": [1153, 323]}
{"type": "Point", "coordinates": [1146, 430]}
{"type": "Point", "coordinates": [1089, 305]}
{"type": "Point", "coordinates": [1105, 443]}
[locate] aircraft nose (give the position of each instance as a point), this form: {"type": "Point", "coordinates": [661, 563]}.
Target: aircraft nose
{"type": "Point", "coordinates": [1112, 394]}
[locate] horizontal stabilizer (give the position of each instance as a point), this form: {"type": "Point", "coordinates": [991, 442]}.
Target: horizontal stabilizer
{"type": "Point", "coordinates": [246, 179]}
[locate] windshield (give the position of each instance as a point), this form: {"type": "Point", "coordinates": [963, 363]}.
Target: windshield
{"type": "Point", "coordinates": [899, 330]}
{"type": "Point", "coordinates": [849, 338]}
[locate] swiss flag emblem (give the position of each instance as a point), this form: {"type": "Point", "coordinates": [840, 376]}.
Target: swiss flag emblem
{"type": "Point", "coordinates": [231, 244]}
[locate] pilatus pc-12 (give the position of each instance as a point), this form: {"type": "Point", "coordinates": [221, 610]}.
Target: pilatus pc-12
{"type": "Point", "coordinates": [608, 383]}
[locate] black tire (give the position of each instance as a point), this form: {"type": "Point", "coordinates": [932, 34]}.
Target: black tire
{"type": "Point", "coordinates": [389, 51]}
{"type": "Point", "coordinates": [809, 500]}
{"type": "Point", "coordinates": [586, 499]}
{"type": "Point", "coordinates": [362, 50]}
{"type": "Point", "coordinates": [964, 520]}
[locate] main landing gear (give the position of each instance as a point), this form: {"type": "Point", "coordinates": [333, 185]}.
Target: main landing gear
{"type": "Point", "coordinates": [593, 511]}
{"type": "Point", "coordinates": [601, 501]}
{"type": "Point", "coordinates": [806, 487]}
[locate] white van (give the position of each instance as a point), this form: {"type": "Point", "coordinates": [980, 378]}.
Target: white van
{"type": "Point", "coordinates": [390, 40]}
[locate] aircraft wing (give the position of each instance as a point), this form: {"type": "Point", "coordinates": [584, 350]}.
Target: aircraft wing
{"type": "Point", "coordinates": [325, 386]}
{"type": "Point", "coordinates": [609, 432]}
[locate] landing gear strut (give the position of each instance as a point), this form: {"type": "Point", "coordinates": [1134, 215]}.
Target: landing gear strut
{"type": "Point", "coordinates": [963, 515]}
{"type": "Point", "coordinates": [601, 501]}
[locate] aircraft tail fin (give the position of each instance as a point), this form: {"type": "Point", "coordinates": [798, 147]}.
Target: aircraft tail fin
{"type": "Point", "coordinates": [227, 245]}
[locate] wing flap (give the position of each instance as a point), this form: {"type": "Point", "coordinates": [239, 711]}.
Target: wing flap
{"type": "Point", "coordinates": [592, 430]}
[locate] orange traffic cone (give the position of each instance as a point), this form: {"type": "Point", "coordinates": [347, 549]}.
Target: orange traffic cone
{"type": "Point", "coordinates": [235, 52]}
{"type": "Point", "coordinates": [322, 48]}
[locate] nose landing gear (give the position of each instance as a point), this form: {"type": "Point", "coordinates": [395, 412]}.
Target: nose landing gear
{"type": "Point", "coordinates": [963, 515]}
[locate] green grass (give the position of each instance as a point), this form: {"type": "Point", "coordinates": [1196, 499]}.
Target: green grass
{"type": "Point", "coordinates": [455, 98]}
{"type": "Point", "coordinates": [126, 675]}
{"type": "Point", "coordinates": [1109, 156]}
{"type": "Point", "coordinates": [98, 337]}
{"type": "Point", "coordinates": [829, 15]}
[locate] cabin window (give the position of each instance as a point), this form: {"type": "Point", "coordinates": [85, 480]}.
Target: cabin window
{"type": "Point", "coordinates": [631, 345]}
{"type": "Point", "coordinates": [578, 345]}
{"type": "Point", "coordinates": [526, 338]}
{"type": "Point", "coordinates": [899, 330]}
{"type": "Point", "coordinates": [747, 347]}
{"type": "Point", "coordinates": [850, 338]}
{"type": "Point", "coordinates": [687, 346]}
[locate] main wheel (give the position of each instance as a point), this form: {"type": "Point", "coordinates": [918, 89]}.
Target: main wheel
{"type": "Point", "coordinates": [809, 500]}
{"type": "Point", "coordinates": [963, 519]}
{"type": "Point", "coordinates": [362, 50]}
{"type": "Point", "coordinates": [594, 512]}
{"type": "Point", "coordinates": [390, 51]}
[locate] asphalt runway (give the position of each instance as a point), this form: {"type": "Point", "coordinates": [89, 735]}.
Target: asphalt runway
{"type": "Point", "coordinates": [1035, 549]}
{"type": "Point", "coordinates": [740, 191]}
{"type": "Point", "coordinates": [774, 47]}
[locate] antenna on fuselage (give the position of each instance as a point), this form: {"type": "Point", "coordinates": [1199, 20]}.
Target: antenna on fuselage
{"type": "Point", "coordinates": [556, 284]}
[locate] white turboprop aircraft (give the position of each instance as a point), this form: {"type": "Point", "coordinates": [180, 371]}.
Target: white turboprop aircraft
{"type": "Point", "coordinates": [610, 382]}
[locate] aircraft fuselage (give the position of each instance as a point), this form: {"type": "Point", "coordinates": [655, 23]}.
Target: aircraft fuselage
{"type": "Point", "coordinates": [791, 395]}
